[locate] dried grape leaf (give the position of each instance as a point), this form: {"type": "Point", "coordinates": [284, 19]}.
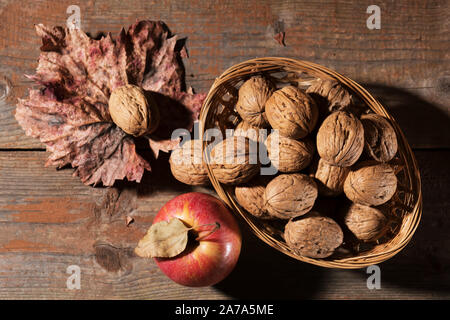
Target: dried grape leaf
{"type": "Point", "coordinates": [164, 239]}
{"type": "Point", "coordinates": [69, 114]}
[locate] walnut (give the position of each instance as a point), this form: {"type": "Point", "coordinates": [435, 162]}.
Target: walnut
{"type": "Point", "coordinates": [371, 184]}
{"type": "Point", "coordinates": [330, 96]}
{"type": "Point", "coordinates": [313, 235]}
{"type": "Point", "coordinates": [187, 165]}
{"type": "Point", "coordinates": [134, 111]}
{"type": "Point", "coordinates": [340, 139]}
{"type": "Point", "coordinates": [366, 223]}
{"type": "Point", "coordinates": [290, 195]}
{"type": "Point", "coordinates": [251, 197]}
{"type": "Point", "coordinates": [234, 160]}
{"type": "Point", "coordinates": [253, 95]}
{"type": "Point", "coordinates": [330, 179]}
{"type": "Point", "coordinates": [245, 129]}
{"type": "Point", "coordinates": [289, 155]}
{"type": "Point", "coordinates": [292, 111]}
{"type": "Point", "coordinates": [380, 140]}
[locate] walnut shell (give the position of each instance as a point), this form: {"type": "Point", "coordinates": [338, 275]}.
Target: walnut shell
{"type": "Point", "coordinates": [289, 155]}
{"type": "Point", "coordinates": [366, 223]}
{"type": "Point", "coordinates": [250, 196]}
{"type": "Point", "coordinates": [245, 129]}
{"type": "Point", "coordinates": [233, 161]}
{"type": "Point", "coordinates": [371, 184]}
{"type": "Point", "coordinates": [380, 140]}
{"type": "Point", "coordinates": [133, 110]}
{"type": "Point", "coordinates": [340, 139]}
{"type": "Point", "coordinates": [330, 179]}
{"type": "Point", "coordinates": [313, 235]}
{"type": "Point", "coordinates": [290, 195]}
{"type": "Point", "coordinates": [187, 165]}
{"type": "Point", "coordinates": [292, 111]}
{"type": "Point", "coordinates": [330, 96]}
{"type": "Point", "coordinates": [253, 95]}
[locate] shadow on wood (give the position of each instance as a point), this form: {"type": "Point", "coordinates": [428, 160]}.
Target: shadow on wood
{"type": "Point", "coordinates": [424, 124]}
{"type": "Point", "coordinates": [423, 264]}
{"type": "Point", "coordinates": [264, 273]}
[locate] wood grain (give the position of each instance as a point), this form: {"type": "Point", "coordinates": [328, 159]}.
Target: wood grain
{"type": "Point", "coordinates": [407, 60]}
{"type": "Point", "coordinates": [49, 221]}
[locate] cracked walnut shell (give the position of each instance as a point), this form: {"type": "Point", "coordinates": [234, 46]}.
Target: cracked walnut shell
{"type": "Point", "coordinates": [234, 160]}
{"type": "Point", "coordinates": [366, 223]}
{"type": "Point", "coordinates": [313, 235]}
{"type": "Point", "coordinates": [133, 110]}
{"type": "Point", "coordinates": [252, 98]}
{"type": "Point", "coordinates": [340, 139]}
{"type": "Point", "coordinates": [289, 155]}
{"type": "Point", "coordinates": [290, 195]}
{"type": "Point", "coordinates": [380, 140]}
{"type": "Point", "coordinates": [187, 165]}
{"type": "Point", "coordinates": [292, 111]}
{"type": "Point", "coordinates": [371, 184]}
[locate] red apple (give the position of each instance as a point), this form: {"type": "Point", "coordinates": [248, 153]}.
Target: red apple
{"type": "Point", "coordinates": [213, 256]}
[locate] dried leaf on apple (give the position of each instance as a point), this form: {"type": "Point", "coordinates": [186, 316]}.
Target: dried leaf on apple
{"type": "Point", "coordinates": [164, 239]}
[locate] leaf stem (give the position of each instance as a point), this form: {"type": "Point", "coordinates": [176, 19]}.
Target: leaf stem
{"type": "Point", "coordinates": [216, 227]}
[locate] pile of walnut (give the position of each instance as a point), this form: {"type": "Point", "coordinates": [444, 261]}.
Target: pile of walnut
{"type": "Point", "coordinates": [330, 151]}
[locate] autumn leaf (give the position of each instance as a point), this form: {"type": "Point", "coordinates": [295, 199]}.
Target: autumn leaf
{"type": "Point", "coordinates": [164, 239]}
{"type": "Point", "coordinates": [69, 113]}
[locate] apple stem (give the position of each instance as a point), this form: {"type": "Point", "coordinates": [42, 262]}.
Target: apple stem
{"type": "Point", "coordinates": [216, 227]}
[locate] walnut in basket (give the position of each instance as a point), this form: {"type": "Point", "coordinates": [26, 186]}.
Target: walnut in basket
{"type": "Point", "coordinates": [330, 95]}
{"type": "Point", "coordinates": [330, 179]}
{"type": "Point", "coordinates": [370, 183]}
{"type": "Point", "coordinates": [234, 160]}
{"type": "Point", "coordinates": [245, 129]}
{"type": "Point", "coordinates": [253, 95]}
{"type": "Point", "coordinates": [292, 111]}
{"type": "Point", "coordinates": [187, 165]}
{"type": "Point", "coordinates": [289, 155]}
{"type": "Point", "coordinates": [366, 223]}
{"type": "Point", "coordinates": [380, 140]}
{"type": "Point", "coordinates": [250, 196]}
{"type": "Point", "coordinates": [290, 195]}
{"type": "Point", "coordinates": [313, 235]}
{"type": "Point", "coordinates": [340, 139]}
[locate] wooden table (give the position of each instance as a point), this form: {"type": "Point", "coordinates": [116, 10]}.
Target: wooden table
{"type": "Point", "coordinates": [49, 220]}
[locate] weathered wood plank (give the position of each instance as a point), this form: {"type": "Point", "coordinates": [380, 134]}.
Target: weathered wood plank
{"type": "Point", "coordinates": [406, 60]}
{"type": "Point", "coordinates": [49, 221]}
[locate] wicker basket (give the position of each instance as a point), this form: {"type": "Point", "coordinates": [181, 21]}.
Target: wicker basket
{"type": "Point", "coordinates": [406, 206]}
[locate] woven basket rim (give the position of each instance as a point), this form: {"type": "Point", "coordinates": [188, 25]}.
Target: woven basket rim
{"type": "Point", "coordinates": [265, 64]}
